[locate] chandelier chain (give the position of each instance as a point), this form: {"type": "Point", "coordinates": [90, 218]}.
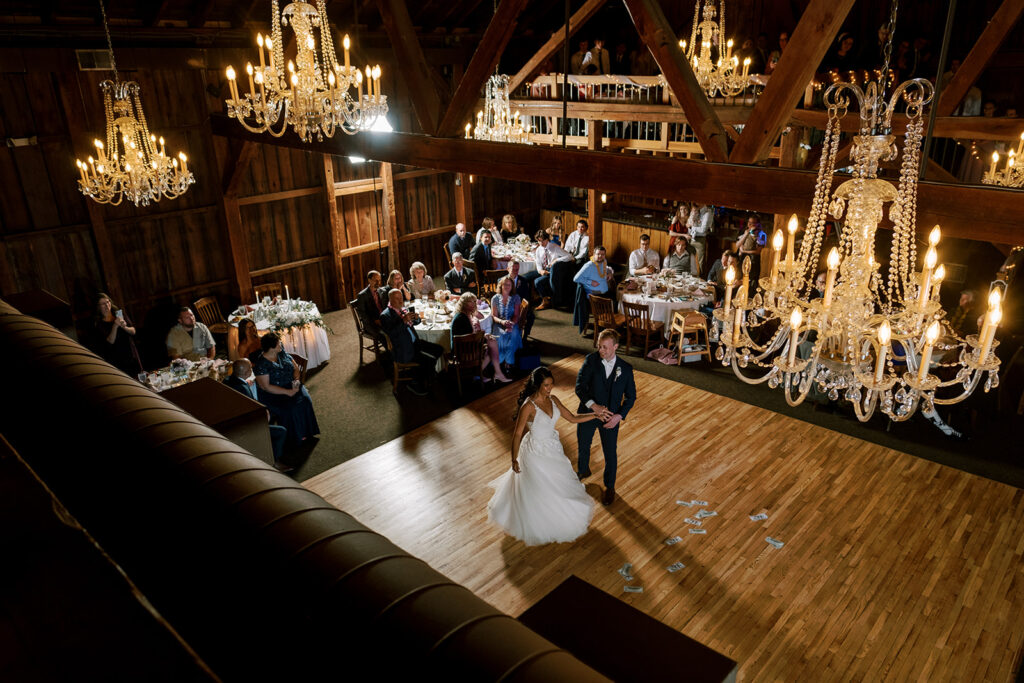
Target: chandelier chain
{"type": "Point", "coordinates": [110, 43]}
{"type": "Point", "coordinates": [887, 50]}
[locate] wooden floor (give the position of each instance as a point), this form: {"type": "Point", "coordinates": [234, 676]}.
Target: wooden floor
{"type": "Point", "coordinates": [894, 568]}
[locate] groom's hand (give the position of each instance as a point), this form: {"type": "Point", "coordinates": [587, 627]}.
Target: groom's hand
{"type": "Point", "coordinates": [613, 421]}
{"type": "Point", "coordinates": [601, 411]}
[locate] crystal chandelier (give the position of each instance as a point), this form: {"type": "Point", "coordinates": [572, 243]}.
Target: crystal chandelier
{"type": "Point", "coordinates": [854, 338]}
{"type": "Point", "coordinates": [129, 165]}
{"type": "Point", "coordinates": [1011, 175]}
{"type": "Point", "coordinates": [714, 76]}
{"type": "Point", "coordinates": [496, 122]}
{"type": "Point", "coordinates": [310, 94]}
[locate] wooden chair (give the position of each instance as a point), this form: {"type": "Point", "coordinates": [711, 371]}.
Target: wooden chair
{"type": "Point", "coordinates": [604, 315]}
{"type": "Point", "coordinates": [684, 324]}
{"type": "Point", "coordinates": [367, 340]}
{"type": "Point", "coordinates": [488, 284]}
{"type": "Point", "coordinates": [467, 355]}
{"type": "Point", "coordinates": [640, 326]}
{"type": "Point", "coordinates": [271, 289]}
{"type": "Point", "coordinates": [209, 313]}
{"type": "Point", "coordinates": [448, 255]}
{"type": "Point", "coordinates": [302, 364]}
{"type": "Point", "coordinates": [400, 372]}
{"type": "Point", "coordinates": [524, 310]}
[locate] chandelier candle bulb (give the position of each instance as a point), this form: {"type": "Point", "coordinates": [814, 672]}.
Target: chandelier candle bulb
{"type": "Point", "coordinates": [249, 70]}
{"type": "Point", "coordinates": [259, 42]}
{"type": "Point", "coordinates": [736, 326]}
{"type": "Point", "coordinates": [270, 50]}
{"type": "Point", "coordinates": [991, 323]}
{"type": "Point", "coordinates": [346, 43]}
{"type": "Point", "coordinates": [833, 269]}
{"type": "Point", "coordinates": [884, 335]}
{"type": "Point", "coordinates": [776, 251]}
{"type": "Point", "coordinates": [730, 277]}
{"type": "Point", "coordinates": [992, 168]}
{"type": "Point", "coordinates": [359, 85]}
{"type": "Point", "coordinates": [937, 278]}
{"type": "Point", "coordinates": [926, 356]}
{"type": "Point", "coordinates": [934, 236]}
{"type": "Point", "coordinates": [994, 301]}
{"type": "Point", "coordinates": [926, 274]}
{"type": "Point", "coordinates": [1020, 146]}
{"type": "Point", "coordinates": [746, 67]}
{"type": "Point", "coordinates": [728, 50]}
{"type": "Point", "coordinates": [791, 244]}
{"type": "Point", "coordinates": [795, 320]}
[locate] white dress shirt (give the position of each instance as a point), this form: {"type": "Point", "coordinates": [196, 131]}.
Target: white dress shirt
{"type": "Point", "coordinates": [495, 234]}
{"type": "Point", "coordinates": [545, 256]}
{"type": "Point", "coordinates": [703, 221]}
{"type": "Point", "coordinates": [578, 246]}
{"type": "Point", "coordinates": [639, 259]}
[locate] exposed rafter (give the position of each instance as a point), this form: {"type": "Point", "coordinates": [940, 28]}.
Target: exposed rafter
{"type": "Point", "coordinates": [657, 35]}
{"type": "Point", "coordinates": [556, 42]}
{"type": "Point", "coordinates": [426, 101]}
{"type": "Point", "coordinates": [811, 39]}
{"type": "Point", "coordinates": [480, 67]}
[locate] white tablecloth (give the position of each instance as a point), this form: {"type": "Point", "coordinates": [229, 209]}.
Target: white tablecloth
{"type": "Point", "coordinates": [309, 341]}
{"type": "Point", "coordinates": [663, 306]}
{"type": "Point", "coordinates": [502, 257]}
{"type": "Point", "coordinates": [440, 332]}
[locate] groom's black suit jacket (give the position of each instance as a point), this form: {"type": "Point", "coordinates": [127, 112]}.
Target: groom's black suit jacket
{"type": "Point", "coordinates": [617, 392]}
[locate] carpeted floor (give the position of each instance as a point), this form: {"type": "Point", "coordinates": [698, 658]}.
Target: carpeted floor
{"type": "Point", "coordinates": [357, 411]}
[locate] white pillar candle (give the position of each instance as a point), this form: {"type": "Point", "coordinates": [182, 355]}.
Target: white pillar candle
{"type": "Point", "coordinates": [830, 282]}
{"type": "Point", "coordinates": [926, 356]}
{"type": "Point", "coordinates": [795, 320]}
{"type": "Point", "coordinates": [884, 335]}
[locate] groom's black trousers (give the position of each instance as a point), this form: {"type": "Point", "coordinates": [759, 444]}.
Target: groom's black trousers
{"type": "Point", "coordinates": [609, 444]}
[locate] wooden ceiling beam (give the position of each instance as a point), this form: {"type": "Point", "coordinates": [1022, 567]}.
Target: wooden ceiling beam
{"type": "Point", "coordinates": [158, 12]}
{"type": "Point", "coordinates": [961, 127]}
{"type": "Point", "coordinates": [426, 100]}
{"type": "Point", "coordinates": [497, 35]}
{"type": "Point", "coordinates": [977, 59]}
{"type": "Point", "coordinates": [555, 43]}
{"type": "Point", "coordinates": [757, 188]}
{"type": "Point", "coordinates": [811, 39]}
{"type": "Point", "coordinates": [201, 15]}
{"type": "Point", "coordinates": [658, 36]}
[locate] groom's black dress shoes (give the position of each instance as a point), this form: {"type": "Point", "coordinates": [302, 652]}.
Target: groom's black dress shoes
{"type": "Point", "coordinates": [609, 497]}
{"type": "Point", "coordinates": [582, 475]}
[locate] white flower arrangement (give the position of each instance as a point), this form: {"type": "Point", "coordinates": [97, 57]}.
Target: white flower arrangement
{"type": "Point", "coordinates": [295, 313]}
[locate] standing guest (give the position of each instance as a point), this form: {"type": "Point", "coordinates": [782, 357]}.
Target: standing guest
{"type": "Point", "coordinates": [775, 55]}
{"type": "Point", "coordinates": [243, 381]}
{"type": "Point", "coordinates": [683, 258]}
{"type": "Point", "coordinates": [716, 274]}
{"type": "Point", "coordinates": [399, 324]}
{"type": "Point", "coordinates": [505, 321]}
{"type": "Point", "coordinates": [843, 58]}
{"type": "Point", "coordinates": [461, 241]}
{"type": "Point", "coordinates": [420, 284]}
{"type": "Point", "coordinates": [555, 229]}
{"type": "Point", "coordinates": [396, 281]}
{"type": "Point", "coordinates": [481, 254]}
{"type": "Point", "coordinates": [467, 321]}
{"type": "Point", "coordinates": [248, 340]}
{"type": "Point", "coordinates": [600, 57]}
{"type": "Point", "coordinates": [644, 261]}
{"type": "Point", "coordinates": [459, 279]}
{"type": "Point", "coordinates": [680, 224]}
{"type": "Point", "coordinates": [620, 60]}
{"type": "Point", "coordinates": [701, 220]}
{"type": "Point", "coordinates": [190, 339]}
{"type": "Point", "coordinates": [546, 255]}
{"type": "Point", "coordinates": [580, 58]}
{"type": "Point", "coordinates": [277, 377]}
{"type": "Point", "coordinates": [509, 228]}
{"type": "Point", "coordinates": [370, 303]}
{"type": "Point", "coordinates": [521, 286]}
{"type": "Point", "coordinates": [488, 226]}
{"type": "Point", "coordinates": [964, 319]}
{"type": "Point", "coordinates": [115, 337]}
{"type": "Point", "coordinates": [595, 277]}
{"type": "Point", "coordinates": [749, 245]}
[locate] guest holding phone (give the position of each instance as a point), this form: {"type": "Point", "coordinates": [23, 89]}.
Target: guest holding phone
{"type": "Point", "coordinates": [115, 337]}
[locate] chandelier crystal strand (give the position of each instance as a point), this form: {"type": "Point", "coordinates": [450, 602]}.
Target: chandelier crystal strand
{"type": "Point", "coordinates": [310, 94]}
{"type": "Point", "coordinates": [723, 76]}
{"type": "Point", "coordinates": [129, 165]}
{"type": "Point", "coordinates": [496, 122]}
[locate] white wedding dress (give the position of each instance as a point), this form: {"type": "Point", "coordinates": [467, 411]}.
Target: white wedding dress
{"type": "Point", "coordinates": [545, 502]}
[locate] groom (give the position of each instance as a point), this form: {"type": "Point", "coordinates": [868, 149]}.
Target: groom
{"type": "Point", "coordinates": [605, 387]}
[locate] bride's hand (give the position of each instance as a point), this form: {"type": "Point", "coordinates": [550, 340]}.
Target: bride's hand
{"type": "Point", "coordinates": [515, 466]}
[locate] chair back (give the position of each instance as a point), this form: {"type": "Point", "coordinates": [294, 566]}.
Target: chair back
{"type": "Point", "coordinates": [693, 321]}
{"type": "Point", "coordinates": [524, 309]}
{"type": "Point", "coordinates": [638, 316]}
{"type": "Point", "coordinates": [355, 316]}
{"type": "Point", "coordinates": [468, 350]}
{"type": "Point", "coordinates": [602, 310]}
{"type": "Point", "coordinates": [448, 255]}
{"type": "Point", "coordinates": [208, 311]}
{"type": "Point", "coordinates": [678, 325]}
{"type": "Point", "coordinates": [489, 282]}
{"type": "Point", "coordinates": [271, 289]}
{"type": "Point", "coordinates": [302, 364]}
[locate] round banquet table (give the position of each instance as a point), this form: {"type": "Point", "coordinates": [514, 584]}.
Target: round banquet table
{"type": "Point", "coordinates": [663, 305]}
{"type": "Point", "coordinates": [526, 263]}
{"type": "Point", "coordinates": [308, 341]}
{"type": "Point", "coordinates": [440, 331]}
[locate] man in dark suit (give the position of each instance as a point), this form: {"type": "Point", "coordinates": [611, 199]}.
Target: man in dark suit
{"type": "Point", "coordinates": [605, 386]}
{"type": "Point", "coordinates": [459, 279]}
{"type": "Point", "coordinates": [398, 323]}
{"type": "Point", "coordinates": [461, 242]}
{"type": "Point", "coordinates": [521, 286]}
{"type": "Point", "coordinates": [481, 254]}
{"type": "Point", "coordinates": [370, 303]}
{"type": "Point", "coordinates": [242, 381]}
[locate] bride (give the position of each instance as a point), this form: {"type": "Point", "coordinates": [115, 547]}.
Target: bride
{"type": "Point", "coordinates": [540, 500]}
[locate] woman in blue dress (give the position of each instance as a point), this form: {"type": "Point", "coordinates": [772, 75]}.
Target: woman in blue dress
{"type": "Point", "coordinates": [505, 321]}
{"type": "Point", "coordinates": [277, 378]}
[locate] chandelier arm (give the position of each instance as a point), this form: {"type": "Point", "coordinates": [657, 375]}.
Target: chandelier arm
{"type": "Point", "coordinates": [749, 380]}
{"type": "Point", "coordinates": [896, 416]}
{"type": "Point", "coordinates": [870, 401]}
{"type": "Point", "coordinates": [975, 378]}
{"type": "Point", "coordinates": [802, 395]}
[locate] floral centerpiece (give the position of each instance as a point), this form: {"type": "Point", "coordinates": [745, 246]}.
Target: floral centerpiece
{"type": "Point", "coordinates": [295, 313]}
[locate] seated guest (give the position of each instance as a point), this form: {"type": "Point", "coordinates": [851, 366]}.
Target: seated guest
{"type": "Point", "coordinates": [577, 244]}
{"type": "Point", "coordinates": [963, 320]}
{"type": "Point", "coordinates": [509, 227]}
{"type": "Point", "coordinates": [461, 241]}
{"type": "Point", "coordinates": [555, 229]}
{"type": "Point", "coordinates": [595, 277]}
{"type": "Point", "coordinates": [396, 281]}
{"type": "Point", "coordinates": [521, 286]}
{"type": "Point", "coordinates": [683, 258]}
{"type": "Point", "coordinates": [481, 254]}
{"type": "Point", "coordinates": [277, 378]}
{"type": "Point", "coordinates": [488, 226]}
{"type": "Point", "coordinates": [190, 339]}
{"type": "Point", "coordinates": [467, 321]}
{"type": "Point", "coordinates": [243, 381]}
{"type": "Point", "coordinates": [644, 261]}
{"type": "Point", "coordinates": [420, 284]}
{"type": "Point", "coordinates": [546, 255]}
{"type": "Point", "coordinates": [370, 303]}
{"type": "Point", "coordinates": [716, 274]}
{"type": "Point", "coordinates": [248, 340]}
{"type": "Point", "coordinates": [505, 321]}
{"type": "Point", "coordinates": [399, 324]}
{"type": "Point", "coordinates": [115, 337]}
{"type": "Point", "coordinates": [459, 279]}
{"type": "Point", "coordinates": [818, 292]}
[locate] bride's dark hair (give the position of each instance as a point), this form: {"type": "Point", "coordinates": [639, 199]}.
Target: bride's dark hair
{"type": "Point", "coordinates": [537, 378]}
